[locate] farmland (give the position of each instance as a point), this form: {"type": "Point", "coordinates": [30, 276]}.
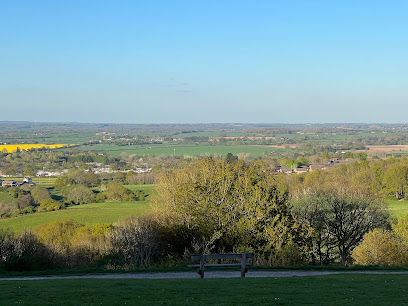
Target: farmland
{"type": "Point", "coordinates": [15, 147]}
{"type": "Point", "coordinates": [181, 150]}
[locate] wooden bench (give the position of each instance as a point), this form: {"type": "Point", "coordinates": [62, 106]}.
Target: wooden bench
{"type": "Point", "coordinates": [202, 258]}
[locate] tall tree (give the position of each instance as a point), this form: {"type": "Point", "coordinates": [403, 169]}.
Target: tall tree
{"type": "Point", "coordinates": [338, 220]}
{"type": "Point", "coordinates": [234, 204]}
{"type": "Point", "coordinates": [396, 181]}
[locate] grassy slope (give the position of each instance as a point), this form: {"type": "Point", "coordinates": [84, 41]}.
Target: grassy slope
{"type": "Point", "coordinates": [87, 214]}
{"type": "Point", "coordinates": [5, 197]}
{"type": "Point", "coordinates": [321, 290]}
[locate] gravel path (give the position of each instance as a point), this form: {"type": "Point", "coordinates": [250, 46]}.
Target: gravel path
{"type": "Point", "coordinates": [208, 274]}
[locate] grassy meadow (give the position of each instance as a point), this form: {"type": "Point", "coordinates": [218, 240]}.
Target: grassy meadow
{"type": "Point", "coordinates": [86, 214]}
{"type": "Point", "coordinates": [109, 212]}
{"type": "Point", "coordinates": [344, 289]}
{"type": "Point", "coordinates": [397, 208]}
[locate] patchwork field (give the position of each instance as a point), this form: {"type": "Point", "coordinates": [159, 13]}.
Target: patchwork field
{"type": "Point", "coordinates": [181, 150]}
{"type": "Point", "coordinates": [388, 148]}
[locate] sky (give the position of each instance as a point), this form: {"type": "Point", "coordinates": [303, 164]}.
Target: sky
{"type": "Point", "coordinates": [204, 61]}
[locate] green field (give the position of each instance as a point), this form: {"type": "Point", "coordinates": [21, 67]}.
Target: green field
{"type": "Point", "coordinates": [351, 289]}
{"type": "Point", "coordinates": [5, 197]}
{"type": "Point", "coordinates": [180, 150]}
{"type": "Point", "coordinates": [109, 212]}
{"type": "Point", "coordinates": [86, 214]}
{"type": "Point", "coordinates": [397, 208]}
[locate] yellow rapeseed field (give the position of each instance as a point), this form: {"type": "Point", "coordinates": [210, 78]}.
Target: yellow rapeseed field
{"type": "Point", "coordinates": [27, 146]}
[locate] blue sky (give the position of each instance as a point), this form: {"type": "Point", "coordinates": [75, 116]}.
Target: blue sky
{"type": "Point", "coordinates": [204, 61]}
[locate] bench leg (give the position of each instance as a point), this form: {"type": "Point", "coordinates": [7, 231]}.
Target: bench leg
{"type": "Point", "coordinates": [201, 272]}
{"type": "Point", "coordinates": [243, 265]}
{"type": "Point", "coordinates": [202, 259]}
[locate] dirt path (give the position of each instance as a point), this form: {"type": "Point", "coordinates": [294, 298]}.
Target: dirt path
{"type": "Point", "coordinates": [208, 274]}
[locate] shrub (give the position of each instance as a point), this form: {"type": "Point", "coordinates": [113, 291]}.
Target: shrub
{"type": "Point", "coordinates": [380, 248]}
{"type": "Point", "coordinates": [25, 201]}
{"type": "Point", "coordinates": [136, 242]}
{"type": "Point", "coordinates": [49, 205]}
{"type": "Point", "coordinates": [116, 192]}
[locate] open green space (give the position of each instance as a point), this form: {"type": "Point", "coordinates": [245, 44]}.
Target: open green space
{"type": "Point", "coordinates": [350, 289]}
{"type": "Point", "coordinates": [180, 150]}
{"type": "Point", "coordinates": [86, 214]}
{"type": "Point", "coordinates": [146, 189]}
{"type": "Point", "coordinates": [397, 208]}
{"type": "Point", "coordinates": [108, 212]}
{"type": "Point", "coordinates": [5, 197]}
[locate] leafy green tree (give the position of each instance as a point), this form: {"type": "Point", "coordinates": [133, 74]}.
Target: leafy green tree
{"type": "Point", "coordinates": [62, 182]}
{"type": "Point", "coordinates": [25, 201]}
{"type": "Point", "coordinates": [40, 194]}
{"type": "Point", "coordinates": [231, 204]}
{"type": "Point", "coordinates": [28, 172]}
{"type": "Point", "coordinates": [79, 194]}
{"type": "Point", "coordinates": [230, 158]}
{"type": "Point", "coordinates": [396, 181]}
{"type": "Point", "coordinates": [338, 220]}
{"type": "Point", "coordinates": [116, 192]}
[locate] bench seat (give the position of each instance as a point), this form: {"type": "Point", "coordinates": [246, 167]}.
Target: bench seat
{"type": "Point", "coordinates": [244, 265]}
{"type": "Point", "coordinates": [219, 265]}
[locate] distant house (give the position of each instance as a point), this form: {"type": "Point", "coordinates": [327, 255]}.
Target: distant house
{"type": "Point", "coordinates": [9, 184]}
{"type": "Point", "coordinates": [333, 161]}
{"type": "Point", "coordinates": [317, 167]}
{"type": "Point", "coordinates": [28, 180]}
{"type": "Point", "coordinates": [284, 169]}
{"type": "Point", "coordinates": [301, 169]}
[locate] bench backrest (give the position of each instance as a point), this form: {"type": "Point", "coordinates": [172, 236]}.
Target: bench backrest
{"type": "Point", "coordinates": [196, 257]}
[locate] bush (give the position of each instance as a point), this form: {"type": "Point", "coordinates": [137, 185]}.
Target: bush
{"type": "Point", "coordinates": [22, 253]}
{"type": "Point", "coordinates": [380, 248]}
{"type": "Point", "coordinates": [25, 201]}
{"type": "Point", "coordinates": [49, 205]}
{"type": "Point", "coordinates": [136, 242]}
{"type": "Point", "coordinates": [116, 192]}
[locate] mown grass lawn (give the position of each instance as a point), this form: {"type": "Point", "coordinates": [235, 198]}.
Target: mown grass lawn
{"type": "Point", "coordinates": [351, 289]}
